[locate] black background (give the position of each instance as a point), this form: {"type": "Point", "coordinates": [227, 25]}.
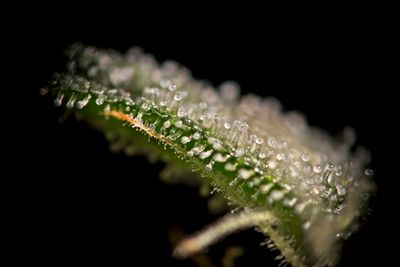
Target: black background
{"type": "Point", "coordinates": [81, 203]}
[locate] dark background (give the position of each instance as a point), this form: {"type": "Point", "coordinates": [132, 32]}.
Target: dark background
{"type": "Point", "coordinates": [84, 204]}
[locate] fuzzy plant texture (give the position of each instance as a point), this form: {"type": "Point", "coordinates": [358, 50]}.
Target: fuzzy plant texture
{"type": "Point", "coordinates": [303, 189]}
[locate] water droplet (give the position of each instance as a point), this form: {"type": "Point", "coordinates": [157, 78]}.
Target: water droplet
{"type": "Point", "coordinates": [271, 141]}
{"type": "Point", "coordinates": [163, 103]}
{"type": "Point", "coordinates": [179, 96]}
{"type": "Point", "coordinates": [181, 112]}
{"type": "Point", "coordinates": [305, 157]}
{"type": "Point", "coordinates": [276, 195]}
{"type": "Point", "coordinates": [205, 154]}
{"type": "Point", "coordinates": [245, 174]}
{"type": "Point", "coordinates": [300, 207]}
{"type": "Point", "coordinates": [272, 164]}
{"type": "Point", "coordinates": [259, 140]}
{"type": "Point", "coordinates": [265, 188]}
{"type": "Point", "coordinates": [262, 155]}
{"type": "Point", "coordinates": [330, 166]}
{"type": "Point", "coordinates": [229, 91]}
{"type": "Point", "coordinates": [172, 87]}
{"type": "Point", "coordinates": [146, 106]}
{"type": "Point", "coordinates": [306, 225]}
{"type": "Point", "coordinates": [290, 202]}
{"type": "Point", "coordinates": [185, 140]}
{"type": "Point", "coordinates": [165, 83]}
{"type": "Point", "coordinates": [43, 91]}
{"type": "Point", "coordinates": [340, 190]}
{"type": "Point", "coordinates": [369, 172]}
{"type": "Point", "coordinates": [220, 158]}
{"type": "Point", "coordinates": [227, 125]}
{"type": "Point", "coordinates": [330, 178]}
{"type": "Point", "coordinates": [317, 168]}
{"type": "Point", "coordinates": [82, 103]}
{"type": "Point", "coordinates": [71, 102]}
{"type": "Point", "coordinates": [209, 167]}
{"type": "Point", "coordinates": [178, 124]}
{"type": "Point", "coordinates": [100, 100]}
{"type": "Point", "coordinates": [196, 136]}
{"type": "Point", "coordinates": [280, 156]}
{"type": "Point", "coordinates": [244, 127]}
{"type": "Point", "coordinates": [167, 124]}
{"type": "Point", "coordinates": [58, 100]}
{"type": "Point", "coordinates": [239, 152]}
{"type": "Point", "coordinates": [230, 167]}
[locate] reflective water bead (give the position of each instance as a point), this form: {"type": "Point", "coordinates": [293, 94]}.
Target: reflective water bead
{"type": "Point", "coordinates": [181, 112]}
{"type": "Point", "coordinates": [305, 157]}
{"type": "Point", "coordinates": [196, 136]}
{"type": "Point", "coordinates": [340, 190]}
{"type": "Point", "coordinates": [369, 172]}
{"type": "Point", "coordinates": [259, 140]}
{"type": "Point", "coordinates": [205, 154]}
{"type": "Point", "coordinates": [178, 124]}
{"type": "Point", "coordinates": [146, 106]}
{"type": "Point", "coordinates": [58, 100]}
{"type": "Point", "coordinates": [317, 168]}
{"type": "Point", "coordinates": [245, 174]}
{"type": "Point", "coordinates": [179, 96]}
{"type": "Point", "coordinates": [272, 164]}
{"type": "Point", "coordinates": [185, 140]}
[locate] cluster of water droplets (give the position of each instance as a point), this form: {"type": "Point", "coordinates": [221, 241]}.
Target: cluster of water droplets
{"type": "Point", "coordinates": [274, 153]}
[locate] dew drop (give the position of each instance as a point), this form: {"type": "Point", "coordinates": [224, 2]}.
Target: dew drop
{"type": "Point", "coordinates": [265, 188]}
{"type": "Point", "coordinates": [220, 158]}
{"type": "Point", "coordinates": [239, 152]}
{"type": "Point", "coordinates": [227, 125]}
{"type": "Point", "coordinates": [259, 140]}
{"type": "Point", "coordinates": [245, 174]}
{"type": "Point", "coordinates": [43, 91]}
{"type": "Point", "coordinates": [340, 190]}
{"type": "Point", "coordinates": [185, 140]}
{"type": "Point", "coordinates": [163, 103]}
{"type": "Point", "coordinates": [280, 156]}
{"type": "Point", "coordinates": [290, 202]}
{"type": "Point", "coordinates": [58, 100]}
{"type": "Point", "coordinates": [196, 136]}
{"type": "Point", "coordinates": [271, 141]}
{"type": "Point", "coordinates": [317, 168]}
{"type": "Point", "coordinates": [209, 167]}
{"type": "Point", "coordinates": [167, 124]}
{"type": "Point", "coordinates": [82, 103]}
{"type": "Point", "coordinates": [181, 112]}
{"type": "Point", "coordinates": [178, 124]}
{"type": "Point", "coordinates": [146, 106]}
{"type": "Point", "coordinates": [306, 225]}
{"type": "Point", "coordinates": [300, 207]}
{"type": "Point", "coordinates": [165, 83]}
{"type": "Point", "coordinates": [272, 164]}
{"type": "Point", "coordinates": [305, 157]}
{"type": "Point", "coordinates": [276, 195]}
{"type": "Point", "coordinates": [179, 96]}
{"type": "Point", "coordinates": [172, 87]}
{"type": "Point", "coordinates": [100, 100]}
{"type": "Point", "coordinates": [369, 172]}
{"type": "Point", "coordinates": [230, 167]}
{"type": "Point", "coordinates": [71, 102]}
{"type": "Point", "coordinates": [330, 166]}
{"type": "Point", "coordinates": [205, 154]}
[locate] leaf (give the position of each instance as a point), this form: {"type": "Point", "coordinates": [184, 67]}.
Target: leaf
{"type": "Point", "coordinates": [264, 161]}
